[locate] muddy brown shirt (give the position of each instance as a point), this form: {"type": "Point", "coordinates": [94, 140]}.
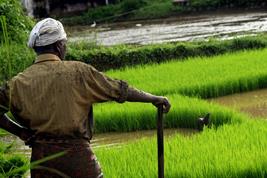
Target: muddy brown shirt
{"type": "Point", "coordinates": [55, 97]}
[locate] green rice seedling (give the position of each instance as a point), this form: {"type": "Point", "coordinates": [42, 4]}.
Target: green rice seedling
{"type": "Point", "coordinates": [230, 151]}
{"type": "Point", "coordinates": [139, 116]}
{"type": "Point", "coordinates": [202, 77]}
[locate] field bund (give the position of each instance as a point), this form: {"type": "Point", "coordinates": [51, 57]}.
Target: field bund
{"type": "Point", "coordinates": [235, 146]}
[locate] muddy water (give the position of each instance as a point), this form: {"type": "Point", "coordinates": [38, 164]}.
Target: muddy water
{"type": "Point", "coordinates": [254, 103]}
{"type": "Point", "coordinates": [118, 139]}
{"type": "Point", "coordinates": [107, 140]}
{"type": "Point", "coordinates": [197, 27]}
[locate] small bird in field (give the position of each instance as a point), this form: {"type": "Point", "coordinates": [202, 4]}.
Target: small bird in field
{"type": "Point", "coordinates": [93, 25]}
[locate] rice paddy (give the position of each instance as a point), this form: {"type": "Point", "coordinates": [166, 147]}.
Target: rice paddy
{"type": "Point", "coordinates": [203, 77]}
{"type": "Point", "coordinates": [139, 116]}
{"type": "Point", "coordinates": [230, 151]}
{"type": "Point", "coordinates": [235, 146]}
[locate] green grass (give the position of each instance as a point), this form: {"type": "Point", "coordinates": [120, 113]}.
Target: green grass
{"type": "Point", "coordinates": [3, 133]}
{"type": "Point", "coordinates": [203, 77]}
{"type": "Point", "coordinates": [184, 113]}
{"type": "Point", "coordinates": [216, 76]}
{"type": "Point", "coordinates": [14, 57]}
{"type": "Point", "coordinates": [11, 164]}
{"type": "Point", "coordinates": [18, 24]}
{"type": "Point", "coordinates": [230, 151]}
{"type": "Point", "coordinates": [235, 147]}
{"type": "Point", "coordinates": [19, 57]}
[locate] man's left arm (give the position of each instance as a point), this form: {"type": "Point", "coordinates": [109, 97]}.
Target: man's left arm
{"type": "Point", "coordinates": [5, 122]}
{"type": "Point", "coordinates": [4, 101]}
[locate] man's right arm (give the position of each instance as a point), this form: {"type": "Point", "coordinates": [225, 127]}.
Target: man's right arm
{"type": "Point", "coordinates": [135, 95]}
{"type": "Point", "coordinates": [102, 88]}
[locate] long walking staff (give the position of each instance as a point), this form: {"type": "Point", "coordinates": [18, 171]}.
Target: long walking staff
{"type": "Point", "coordinates": [160, 142]}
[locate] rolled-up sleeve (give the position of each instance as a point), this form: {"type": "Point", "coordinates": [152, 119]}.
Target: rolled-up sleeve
{"type": "Point", "coordinates": [4, 101]}
{"type": "Point", "coordinates": [102, 88]}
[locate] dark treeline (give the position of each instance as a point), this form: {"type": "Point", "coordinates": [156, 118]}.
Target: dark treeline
{"type": "Point", "coordinates": [216, 4]}
{"type": "Point", "coordinates": [151, 9]}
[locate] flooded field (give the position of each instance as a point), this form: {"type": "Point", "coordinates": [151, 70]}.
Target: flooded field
{"type": "Point", "coordinates": [118, 139]}
{"type": "Point", "coordinates": [106, 140]}
{"type": "Point", "coordinates": [187, 28]}
{"type": "Point", "coordinates": [254, 103]}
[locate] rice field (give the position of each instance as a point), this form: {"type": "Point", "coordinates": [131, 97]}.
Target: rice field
{"type": "Point", "coordinates": [200, 77]}
{"type": "Point", "coordinates": [205, 77]}
{"type": "Point", "coordinates": [230, 151]}
{"type": "Point", "coordinates": [140, 116]}
{"type": "Point", "coordinates": [235, 146]}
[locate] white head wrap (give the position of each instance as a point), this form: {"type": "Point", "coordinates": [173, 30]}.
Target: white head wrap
{"type": "Point", "coordinates": [46, 32]}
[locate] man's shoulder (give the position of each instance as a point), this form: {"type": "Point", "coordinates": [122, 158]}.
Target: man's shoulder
{"type": "Point", "coordinates": [78, 64]}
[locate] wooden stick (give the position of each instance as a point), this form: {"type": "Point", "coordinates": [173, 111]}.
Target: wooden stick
{"type": "Point", "coordinates": [160, 142]}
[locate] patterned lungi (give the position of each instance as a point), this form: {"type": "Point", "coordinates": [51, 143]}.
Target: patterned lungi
{"type": "Point", "coordinates": [78, 161]}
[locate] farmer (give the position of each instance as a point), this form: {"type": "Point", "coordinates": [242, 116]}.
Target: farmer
{"type": "Point", "coordinates": [52, 104]}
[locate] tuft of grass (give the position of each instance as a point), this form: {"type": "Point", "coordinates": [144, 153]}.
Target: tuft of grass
{"type": "Point", "coordinates": [13, 165]}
